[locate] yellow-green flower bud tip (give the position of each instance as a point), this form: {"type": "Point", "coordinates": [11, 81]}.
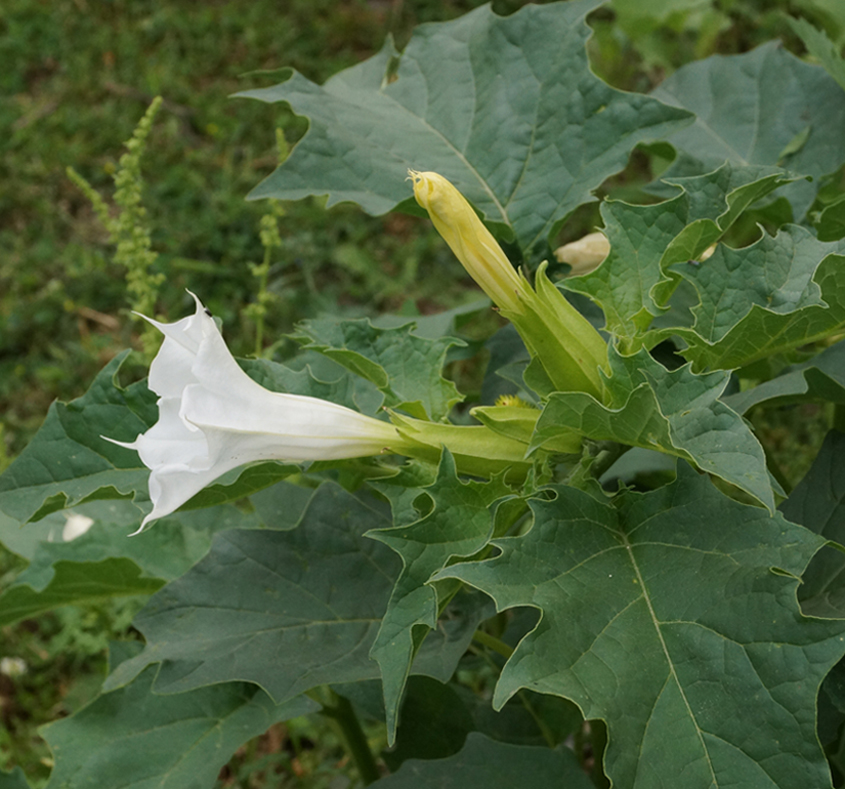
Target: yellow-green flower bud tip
{"type": "Point", "coordinates": [585, 254]}
{"type": "Point", "coordinates": [472, 243]}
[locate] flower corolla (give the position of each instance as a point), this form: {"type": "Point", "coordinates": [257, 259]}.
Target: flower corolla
{"type": "Point", "coordinates": [213, 418]}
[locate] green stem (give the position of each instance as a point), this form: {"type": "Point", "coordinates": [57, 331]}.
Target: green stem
{"type": "Point", "coordinates": [609, 453]}
{"type": "Point", "coordinates": [839, 417]}
{"type": "Point", "coordinates": [262, 289]}
{"type": "Point", "coordinates": [491, 642]}
{"type": "Point", "coordinates": [340, 712]}
{"type": "Point", "coordinates": [545, 731]}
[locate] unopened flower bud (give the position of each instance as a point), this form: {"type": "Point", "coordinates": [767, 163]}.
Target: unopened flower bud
{"type": "Point", "coordinates": [472, 243]}
{"type": "Point", "coordinates": [585, 254]}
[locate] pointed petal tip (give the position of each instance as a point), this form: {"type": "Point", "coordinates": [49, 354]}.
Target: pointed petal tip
{"type": "Point", "coordinates": [149, 518]}
{"type": "Point", "coordinates": [125, 444]}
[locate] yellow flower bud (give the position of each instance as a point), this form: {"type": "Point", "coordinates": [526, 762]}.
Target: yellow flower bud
{"type": "Point", "coordinates": [585, 254]}
{"type": "Point", "coordinates": [472, 243]}
{"type": "Point", "coordinates": [560, 340]}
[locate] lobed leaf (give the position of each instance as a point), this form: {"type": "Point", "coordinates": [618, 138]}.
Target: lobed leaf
{"type": "Point", "coordinates": [830, 225]}
{"type": "Point", "coordinates": [692, 648]}
{"type": "Point", "coordinates": [818, 503]}
{"type": "Point", "coordinates": [486, 764]}
{"type": "Point", "coordinates": [821, 48]}
{"type": "Point", "coordinates": [406, 368]}
{"type": "Point", "coordinates": [287, 610]}
{"type": "Point", "coordinates": [104, 562]}
{"type": "Point", "coordinates": [459, 525]}
{"type": "Point", "coordinates": [749, 109]}
{"type": "Point", "coordinates": [634, 281]}
{"type": "Point", "coordinates": [772, 296]}
{"type": "Point", "coordinates": [266, 606]}
{"type": "Point", "coordinates": [68, 462]}
{"type": "Point", "coordinates": [677, 412]}
{"type": "Point", "coordinates": [505, 107]}
{"type": "Point", "coordinates": [135, 739]}
{"type": "Point", "coordinates": [820, 378]}
{"type": "Point", "coordinates": [76, 583]}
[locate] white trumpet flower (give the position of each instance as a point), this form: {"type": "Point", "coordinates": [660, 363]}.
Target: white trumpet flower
{"type": "Point", "coordinates": [213, 418]}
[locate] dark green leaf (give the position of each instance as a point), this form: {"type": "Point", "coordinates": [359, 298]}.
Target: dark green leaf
{"type": "Point", "coordinates": [406, 368]}
{"type": "Point", "coordinates": [106, 562]}
{"type": "Point", "coordinates": [487, 764]}
{"type": "Point", "coordinates": [280, 378]}
{"type": "Point", "coordinates": [818, 503]}
{"type": "Point", "coordinates": [173, 547]}
{"type": "Point", "coordinates": [68, 461]}
{"type": "Point", "coordinates": [281, 506]}
{"type": "Point", "coordinates": [76, 583]}
{"type": "Point", "coordinates": [673, 617]}
{"type": "Point", "coordinates": [134, 739]}
{"type": "Point", "coordinates": [830, 225]}
{"type": "Point", "coordinates": [772, 296]}
{"type": "Point", "coordinates": [459, 525]}
{"type": "Point", "coordinates": [821, 48]}
{"type": "Point", "coordinates": [13, 780]}
{"type": "Point", "coordinates": [240, 483]}
{"type": "Point", "coordinates": [433, 723]}
{"type": "Point", "coordinates": [288, 610]}
{"type": "Point", "coordinates": [440, 653]}
{"type": "Point", "coordinates": [749, 108]}
{"type": "Point", "coordinates": [820, 378]}
{"type": "Point", "coordinates": [676, 412]}
{"type": "Point", "coordinates": [519, 721]}
{"type": "Point", "coordinates": [505, 107]}
{"type": "Point", "coordinates": [634, 281]}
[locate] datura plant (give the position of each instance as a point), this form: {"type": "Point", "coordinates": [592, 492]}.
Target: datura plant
{"type": "Point", "coordinates": [595, 566]}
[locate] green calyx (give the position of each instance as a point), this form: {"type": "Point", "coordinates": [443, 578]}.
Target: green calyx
{"type": "Point", "coordinates": [477, 449]}
{"type": "Point", "coordinates": [566, 345]}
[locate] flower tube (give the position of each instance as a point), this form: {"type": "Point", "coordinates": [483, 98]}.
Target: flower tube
{"type": "Point", "coordinates": [213, 418]}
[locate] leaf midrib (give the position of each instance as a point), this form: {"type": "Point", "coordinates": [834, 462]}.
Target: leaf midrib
{"type": "Point", "coordinates": [665, 648]}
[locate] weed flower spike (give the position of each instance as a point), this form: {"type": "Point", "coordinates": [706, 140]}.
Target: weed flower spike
{"type": "Point", "coordinates": [213, 418]}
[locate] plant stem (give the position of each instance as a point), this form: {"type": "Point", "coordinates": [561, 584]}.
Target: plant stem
{"type": "Point", "coordinates": [491, 642]}
{"type": "Point", "coordinates": [264, 270]}
{"type": "Point", "coordinates": [609, 452]}
{"type": "Point", "coordinates": [340, 711]}
{"type": "Point", "coordinates": [839, 417]}
{"type": "Point", "coordinates": [545, 731]}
